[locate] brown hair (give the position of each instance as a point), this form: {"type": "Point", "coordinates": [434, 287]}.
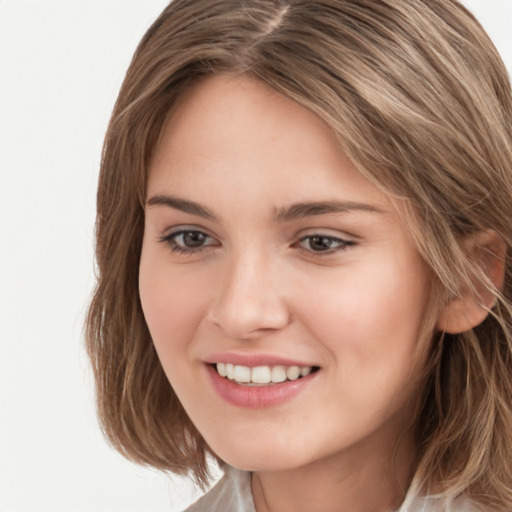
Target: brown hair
{"type": "Point", "coordinates": [421, 103]}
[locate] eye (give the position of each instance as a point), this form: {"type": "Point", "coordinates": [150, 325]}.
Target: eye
{"type": "Point", "coordinates": [323, 243]}
{"type": "Point", "coordinates": [188, 241]}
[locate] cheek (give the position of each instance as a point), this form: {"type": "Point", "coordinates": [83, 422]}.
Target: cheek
{"type": "Point", "coordinates": [172, 305]}
{"type": "Point", "coordinates": [365, 318]}
{"type": "Point", "coordinates": [370, 325]}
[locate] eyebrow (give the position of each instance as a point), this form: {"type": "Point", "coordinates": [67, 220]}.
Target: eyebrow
{"type": "Point", "coordinates": [181, 204]}
{"type": "Point", "coordinates": [293, 212]}
{"type": "Point", "coordinates": [301, 210]}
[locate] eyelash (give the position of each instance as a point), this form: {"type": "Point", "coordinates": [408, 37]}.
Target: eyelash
{"type": "Point", "coordinates": [341, 244]}
{"type": "Point", "coordinates": [170, 241]}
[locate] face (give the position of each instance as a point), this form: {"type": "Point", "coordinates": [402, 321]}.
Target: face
{"type": "Point", "coordinates": [269, 258]}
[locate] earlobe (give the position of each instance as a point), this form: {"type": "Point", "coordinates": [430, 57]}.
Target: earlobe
{"type": "Point", "coordinates": [461, 315]}
{"type": "Point", "coordinates": [486, 251]}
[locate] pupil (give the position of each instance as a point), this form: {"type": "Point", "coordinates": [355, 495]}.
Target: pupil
{"type": "Point", "coordinates": [194, 238]}
{"type": "Point", "coordinates": [320, 243]}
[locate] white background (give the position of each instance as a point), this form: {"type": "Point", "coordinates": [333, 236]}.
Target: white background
{"type": "Point", "coordinates": [61, 64]}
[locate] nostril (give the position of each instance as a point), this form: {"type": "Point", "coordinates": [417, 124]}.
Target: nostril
{"type": "Point", "coordinates": [245, 322]}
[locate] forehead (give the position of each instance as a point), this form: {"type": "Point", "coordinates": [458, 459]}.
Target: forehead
{"type": "Point", "coordinates": [238, 117]}
{"type": "Point", "coordinates": [238, 132]}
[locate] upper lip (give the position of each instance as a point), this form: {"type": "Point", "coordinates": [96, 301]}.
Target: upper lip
{"type": "Point", "coordinates": [252, 360]}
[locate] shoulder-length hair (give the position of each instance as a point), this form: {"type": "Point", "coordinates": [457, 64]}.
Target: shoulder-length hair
{"type": "Point", "coordinates": [421, 102]}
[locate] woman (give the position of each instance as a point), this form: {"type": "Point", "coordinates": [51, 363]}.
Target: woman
{"type": "Point", "coordinates": [303, 242]}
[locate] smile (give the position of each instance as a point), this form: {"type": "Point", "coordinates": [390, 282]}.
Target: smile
{"type": "Point", "coordinates": [260, 386]}
{"type": "Point", "coordinates": [261, 375]}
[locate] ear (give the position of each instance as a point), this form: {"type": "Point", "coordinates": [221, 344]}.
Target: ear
{"type": "Point", "coordinates": [486, 250]}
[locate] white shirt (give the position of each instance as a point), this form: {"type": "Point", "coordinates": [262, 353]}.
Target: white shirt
{"type": "Point", "coordinates": [232, 493]}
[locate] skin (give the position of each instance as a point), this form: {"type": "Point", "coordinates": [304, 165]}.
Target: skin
{"type": "Point", "coordinates": [353, 305]}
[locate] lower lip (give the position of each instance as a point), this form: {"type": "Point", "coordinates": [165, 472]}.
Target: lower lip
{"type": "Point", "coordinates": [255, 397]}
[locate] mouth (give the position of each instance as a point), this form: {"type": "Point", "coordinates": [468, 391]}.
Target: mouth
{"type": "Point", "coordinates": [260, 385]}
{"type": "Point", "coordinates": [262, 375]}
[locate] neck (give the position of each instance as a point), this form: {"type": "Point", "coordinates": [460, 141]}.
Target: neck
{"type": "Point", "coordinates": [363, 479]}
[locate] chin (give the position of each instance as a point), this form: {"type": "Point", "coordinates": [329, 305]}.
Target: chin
{"type": "Point", "coordinates": [258, 457]}
{"type": "Point", "coordinates": [261, 464]}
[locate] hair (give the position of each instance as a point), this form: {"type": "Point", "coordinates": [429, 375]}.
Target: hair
{"type": "Point", "coordinates": [421, 103]}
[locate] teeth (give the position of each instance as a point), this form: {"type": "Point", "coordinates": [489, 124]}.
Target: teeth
{"type": "Point", "coordinates": [242, 374]}
{"type": "Point", "coordinates": [293, 373]}
{"type": "Point", "coordinates": [278, 374]}
{"type": "Point", "coordinates": [305, 370]}
{"type": "Point", "coordinates": [262, 374]}
{"type": "Point", "coordinates": [221, 368]}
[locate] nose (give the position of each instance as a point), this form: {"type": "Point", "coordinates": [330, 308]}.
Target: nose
{"type": "Point", "coordinates": [250, 299]}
